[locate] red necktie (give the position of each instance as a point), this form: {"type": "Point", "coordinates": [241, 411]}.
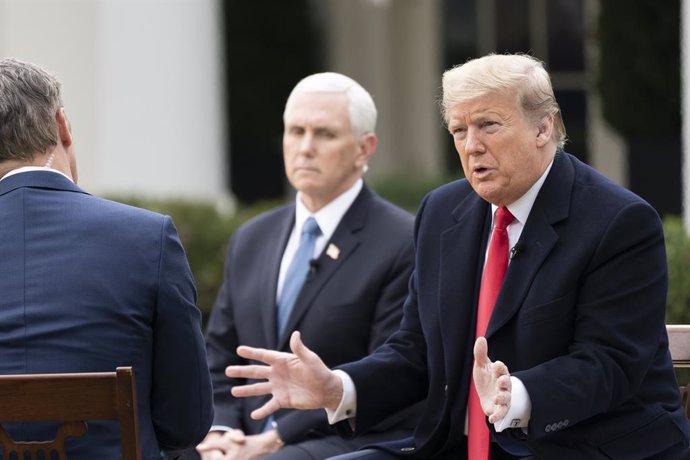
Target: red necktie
{"type": "Point", "coordinates": [494, 272]}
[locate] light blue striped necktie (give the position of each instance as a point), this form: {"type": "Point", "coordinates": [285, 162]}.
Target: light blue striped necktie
{"type": "Point", "coordinates": [297, 272]}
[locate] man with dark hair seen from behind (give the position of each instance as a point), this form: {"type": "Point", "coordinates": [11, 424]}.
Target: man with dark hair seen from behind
{"type": "Point", "coordinates": [89, 284]}
{"type": "Point", "coordinates": [534, 326]}
{"type": "Point", "coordinates": [347, 297]}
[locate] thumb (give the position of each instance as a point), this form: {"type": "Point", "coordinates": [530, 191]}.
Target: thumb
{"type": "Point", "coordinates": [300, 350]}
{"type": "Point", "coordinates": [297, 347]}
{"type": "Point", "coordinates": [481, 352]}
{"type": "Point", "coordinates": [237, 436]}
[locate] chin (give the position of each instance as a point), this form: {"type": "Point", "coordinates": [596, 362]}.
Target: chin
{"type": "Point", "coordinates": [306, 187]}
{"type": "Point", "coordinates": [492, 198]}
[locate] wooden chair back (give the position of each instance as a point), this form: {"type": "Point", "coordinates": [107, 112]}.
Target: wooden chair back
{"type": "Point", "coordinates": [679, 345]}
{"type": "Point", "coordinates": [72, 399]}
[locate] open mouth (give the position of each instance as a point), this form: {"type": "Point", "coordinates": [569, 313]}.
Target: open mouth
{"type": "Point", "coordinates": [481, 171]}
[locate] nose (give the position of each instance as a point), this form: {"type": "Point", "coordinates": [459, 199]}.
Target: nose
{"type": "Point", "coordinates": [306, 145]}
{"type": "Point", "coordinates": [473, 142]}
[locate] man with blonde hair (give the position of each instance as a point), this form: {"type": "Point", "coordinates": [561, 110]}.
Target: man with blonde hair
{"type": "Point", "coordinates": [534, 325]}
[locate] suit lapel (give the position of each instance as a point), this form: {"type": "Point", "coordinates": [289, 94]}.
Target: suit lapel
{"type": "Point", "coordinates": [346, 240]}
{"type": "Point", "coordinates": [268, 282]}
{"type": "Point", "coordinates": [536, 241]}
{"type": "Point", "coordinates": [461, 258]}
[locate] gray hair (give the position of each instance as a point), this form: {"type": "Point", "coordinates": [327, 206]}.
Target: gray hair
{"type": "Point", "coordinates": [361, 105]}
{"type": "Point", "coordinates": [29, 100]}
{"type": "Point", "coordinates": [497, 72]}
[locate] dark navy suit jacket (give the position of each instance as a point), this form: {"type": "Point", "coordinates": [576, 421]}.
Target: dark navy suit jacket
{"type": "Point", "coordinates": [348, 306]}
{"type": "Point", "coordinates": [88, 285]}
{"type": "Point", "coordinates": [579, 319]}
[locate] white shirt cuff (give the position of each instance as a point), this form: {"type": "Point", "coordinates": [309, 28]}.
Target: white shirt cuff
{"type": "Point", "coordinates": [348, 405]}
{"type": "Point", "coordinates": [520, 409]}
{"type": "Point", "coordinates": [219, 428]}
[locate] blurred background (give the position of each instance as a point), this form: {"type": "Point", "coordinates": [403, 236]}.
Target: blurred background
{"type": "Point", "coordinates": [176, 105]}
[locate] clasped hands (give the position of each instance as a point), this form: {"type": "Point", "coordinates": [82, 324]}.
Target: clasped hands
{"type": "Point", "coordinates": [235, 445]}
{"type": "Point", "coordinates": [300, 380]}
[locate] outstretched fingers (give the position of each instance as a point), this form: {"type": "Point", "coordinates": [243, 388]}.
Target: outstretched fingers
{"type": "Point", "coordinates": [254, 389]}
{"type": "Point", "coordinates": [267, 409]}
{"type": "Point", "coordinates": [503, 387]}
{"type": "Point", "coordinates": [251, 371]}
{"type": "Point", "coordinates": [297, 380]}
{"type": "Point", "coordinates": [502, 376]}
{"type": "Point", "coordinates": [260, 354]}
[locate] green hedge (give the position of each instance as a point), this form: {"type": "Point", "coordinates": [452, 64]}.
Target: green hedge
{"type": "Point", "coordinates": [205, 230]}
{"type": "Point", "coordinates": [408, 191]}
{"type": "Point", "coordinates": [678, 254]}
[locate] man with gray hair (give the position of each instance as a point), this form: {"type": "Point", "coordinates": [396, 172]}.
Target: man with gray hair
{"type": "Point", "coordinates": [334, 264]}
{"type": "Point", "coordinates": [89, 284]}
{"type": "Point", "coordinates": [534, 325]}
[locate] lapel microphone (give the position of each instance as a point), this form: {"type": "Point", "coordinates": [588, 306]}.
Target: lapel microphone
{"type": "Point", "coordinates": [514, 251]}
{"type": "Point", "coordinates": [313, 266]}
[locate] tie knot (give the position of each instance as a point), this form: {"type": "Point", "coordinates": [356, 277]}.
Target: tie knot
{"type": "Point", "coordinates": [503, 217]}
{"type": "Point", "coordinates": [310, 227]}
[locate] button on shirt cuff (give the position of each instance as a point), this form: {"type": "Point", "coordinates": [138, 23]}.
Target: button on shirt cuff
{"type": "Point", "coordinates": [348, 404]}
{"type": "Point", "coordinates": [520, 409]}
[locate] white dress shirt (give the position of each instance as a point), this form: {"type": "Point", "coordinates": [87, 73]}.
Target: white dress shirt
{"type": "Point", "coordinates": [328, 219]}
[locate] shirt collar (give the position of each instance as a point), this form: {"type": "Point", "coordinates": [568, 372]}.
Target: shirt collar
{"type": "Point", "coordinates": [330, 215]}
{"type": "Point", "coordinates": [521, 207]}
{"type": "Point", "coordinates": [24, 169]}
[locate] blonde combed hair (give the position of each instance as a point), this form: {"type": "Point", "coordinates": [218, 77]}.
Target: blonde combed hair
{"type": "Point", "coordinates": [499, 72]}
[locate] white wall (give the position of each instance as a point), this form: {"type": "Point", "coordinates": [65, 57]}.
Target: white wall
{"type": "Point", "coordinates": [142, 82]}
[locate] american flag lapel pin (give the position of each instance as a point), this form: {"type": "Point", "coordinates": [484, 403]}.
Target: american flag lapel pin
{"type": "Point", "coordinates": [333, 251]}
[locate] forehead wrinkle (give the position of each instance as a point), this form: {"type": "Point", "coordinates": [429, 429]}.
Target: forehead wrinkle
{"type": "Point", "coordinates": [489, 111]}
{"type": "Point", "coordinates": [315, 119]}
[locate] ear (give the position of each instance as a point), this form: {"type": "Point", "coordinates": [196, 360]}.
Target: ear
{"type": "Point", "coordinates": [545, 131]}
{"type": "Point", "coordinates": [367, 146]}
{"type": "Point", "coordinates": [63, 128]}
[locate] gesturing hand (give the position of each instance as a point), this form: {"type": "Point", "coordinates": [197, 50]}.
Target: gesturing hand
{"type": "Point", "coordinates": [298, 380]}
{"type": "Point", "coordinates": [492, 382]}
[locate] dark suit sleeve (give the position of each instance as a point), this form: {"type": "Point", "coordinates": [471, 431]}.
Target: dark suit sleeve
{"type": "Point", "coordinates": [181, 403]}
{"type": "Point", "coordinates": [618, 313]}
{"type": "Point", "coordinates": [221, 343]}
{"type": "Point", "coordinates": [394, 376]}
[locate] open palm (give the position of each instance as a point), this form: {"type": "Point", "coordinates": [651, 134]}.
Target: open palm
{"type": "Point", "coordinates": [297, 380]}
